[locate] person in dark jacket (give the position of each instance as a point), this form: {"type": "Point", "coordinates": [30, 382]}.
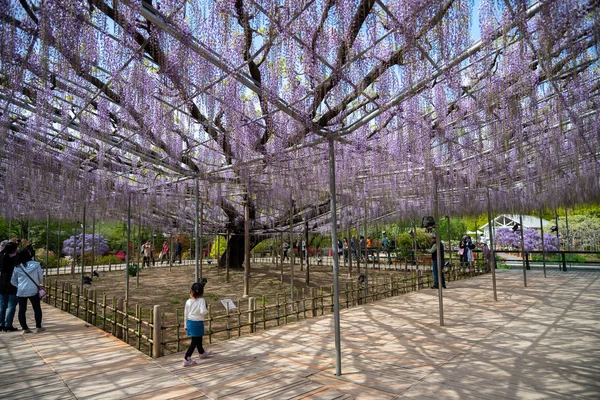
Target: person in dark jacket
{"type": "Point", "coordinates": [10, 256]}
{"type": "Point", "coordinates": [178, 250]}
{"type": "Point", "coordinates": [433, 251]}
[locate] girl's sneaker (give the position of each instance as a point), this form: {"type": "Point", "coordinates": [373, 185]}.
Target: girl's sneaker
{"type": "Point", "coordinates": [205, 354]}
{"type": "Point", "coordinates": [188, 362]}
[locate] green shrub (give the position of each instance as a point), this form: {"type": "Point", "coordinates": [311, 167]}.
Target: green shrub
{"type": "Point", "coordinates": [574, 258]}
{"type": "Point", "coordinates": [133, 269]}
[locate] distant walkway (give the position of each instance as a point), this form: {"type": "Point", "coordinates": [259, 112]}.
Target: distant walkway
{"type": "Point", "coordinates": [114, 267]}
{"type": "Point", "coordinates": [538, 342]}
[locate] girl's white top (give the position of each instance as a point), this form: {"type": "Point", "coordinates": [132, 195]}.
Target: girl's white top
{"type": "Point", "coordinates": [194, 310]}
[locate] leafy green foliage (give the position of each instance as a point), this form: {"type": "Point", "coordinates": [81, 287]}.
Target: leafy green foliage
{"type": "Point", "coordinates": [133, 269]}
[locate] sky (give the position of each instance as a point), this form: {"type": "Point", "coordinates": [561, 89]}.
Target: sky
{"type": "Point", "coordinates": [475, 32]}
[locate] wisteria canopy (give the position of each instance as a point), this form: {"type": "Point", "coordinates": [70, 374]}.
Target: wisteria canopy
{"type": "Point", "coordinates": [102, 101]}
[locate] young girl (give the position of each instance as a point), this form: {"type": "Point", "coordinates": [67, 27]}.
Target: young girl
{"type": "Point", "coordinates": [195, 308]}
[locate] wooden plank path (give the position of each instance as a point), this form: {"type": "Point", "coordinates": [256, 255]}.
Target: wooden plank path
{"type": "Point", "coordinates": [538, 342]}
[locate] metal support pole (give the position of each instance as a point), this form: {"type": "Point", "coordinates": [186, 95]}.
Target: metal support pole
{"type": "Point", "coordinates": [492, 249]}
{"type": "Point", "coordinates": [47, 247]}
{"type": "Point", "coordinates": [358, 249]}
{"type": "Point", "coordinates": [366, 236]}
{"type": "Point", "coordinates": [543, 244]}
{"type": "Point", "coordinates": [141, 242]}
{"type": "Point", "coordinates": [58, 249]}
{"type": "Point", "coordinates": [449, 237]}
{"type": "Point", "coordinates": [83, 247]}
{"type": "Point", "coordinates": [196, 242]}
{"type": "Point", "coordinates": [438, 239]}
{"type": "Point", "coordinates": [523, 251]}
{"type": "Point", "coordinates": [171, 253]}
{"type": "Point", "coordinates": [414, 240]}
{"type": "Point", "coordinates": [349, 249]}
{"type": "Point", "coordinates": [306, 253]}
{"type": "Point", "coordinates": [93, 242]}
{"type": "Point", "coordinates": [227, 257]}
{"type": "Point", "coordinates": [292, 257]}
{"type": "Point", "coordinates": [336, 289]}
{"type": "Point", "coordinates": [568, 237]}
{"type": "Point", "coordinates": [139, 251]}
{"type": "Point", "coordinates": [74, 263]}
{"type": "Point", "coordinates": [247, 250]}
{"type": "Point", "coordinates": [558, 239]}
{"type": "Point", "coordinates": [201, 237]}
{"type": "Point", "coordinates": [128, 253]}
{"type": "Point", "coordinates": [280, 252]}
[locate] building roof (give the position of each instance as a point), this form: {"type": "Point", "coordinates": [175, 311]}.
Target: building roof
{"type": "Point", "coordinates": [509, 220]}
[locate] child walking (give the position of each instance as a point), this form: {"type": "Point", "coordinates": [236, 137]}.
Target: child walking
{"type": "Point", "coordinates": [195, 308]}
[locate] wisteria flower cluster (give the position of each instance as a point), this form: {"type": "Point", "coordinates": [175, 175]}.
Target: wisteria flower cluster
{"type": "Point", "coordinates": [532, 240]}
{"type": "Point", "coordinates": [73, 245]}
{"type": "Point", "coordinates": [112, 104]}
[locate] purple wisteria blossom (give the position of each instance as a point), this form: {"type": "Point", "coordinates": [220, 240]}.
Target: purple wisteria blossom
{"type": "Point", "coordinates": [100, 245]}
{"type": "Point", "coordinates": [532, 239]}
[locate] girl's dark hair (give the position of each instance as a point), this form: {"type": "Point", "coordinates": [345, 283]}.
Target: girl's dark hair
{"type": "Point", "coordinates": [197, 290]}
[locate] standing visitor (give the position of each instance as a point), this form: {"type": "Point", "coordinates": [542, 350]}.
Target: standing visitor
{"type": "Point", "coordinates": [385, 242]}
{"type": "Point", "coordinates": [286, 247]}
{"type": "Point", "coordinates": [346, 250]}
{"type": "Point", "coordinates": [461, 252]}
{"type": "Point", "coordinates": [466, 245]}
{"type": "Point", "coordinates": [363, 248]}
{"type": "Point", "coordinates": [487, 256]}
{"type": "Point", "coordinates": [27, 277]}
{"type": "Point", "coordinates": [370, 249]}
{"type": "Point", "coordinates": [433, 251]}
{"type": "Point", "coordinates": [164, 253]}
{"type": "Point", "coordinates": [353, 247]}
{"type": "Point", "coordinates": [10, 256]}
{"type": "Point", "coordinates": [178, 250]}
{"type": "Point", "coordinates": [193, 318]}
{"type": "Point", "coordinates": [147, 254]}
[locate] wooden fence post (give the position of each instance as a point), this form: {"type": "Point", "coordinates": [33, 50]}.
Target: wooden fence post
{"type": "Point", "coordinates": [251, 306]}
{"type": "Point", "coordinates": [119, 327]}
{"type": "Point", "coordinates": [157, 333]}
{"type": "Point", "coordinates": [313, 302]}
{"type": "Point", "coordinates": [90, 306]}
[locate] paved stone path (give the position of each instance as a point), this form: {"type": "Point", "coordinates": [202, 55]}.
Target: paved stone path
{"type": "Point", "coordinates": [538, 342]}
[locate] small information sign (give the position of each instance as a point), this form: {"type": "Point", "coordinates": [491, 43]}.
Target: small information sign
{"type": "Point", "coordinates": [228, 303]}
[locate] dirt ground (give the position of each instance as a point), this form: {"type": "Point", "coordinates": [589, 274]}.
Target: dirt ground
{"type": "Point", "coordinates": [170, 289]}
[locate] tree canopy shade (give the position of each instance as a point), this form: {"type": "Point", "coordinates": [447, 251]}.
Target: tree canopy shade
{"type": "Point", "coordinates": [101, 100]}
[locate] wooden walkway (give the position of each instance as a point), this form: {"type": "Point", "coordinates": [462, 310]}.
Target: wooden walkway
{"type": "Point", "coordinates": [538, 342]}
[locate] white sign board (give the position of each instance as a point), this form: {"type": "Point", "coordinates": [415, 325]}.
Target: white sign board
{"type": "Point", "coordinates": [228, 303]}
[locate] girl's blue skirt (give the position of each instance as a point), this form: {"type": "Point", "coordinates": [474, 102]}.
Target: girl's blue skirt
{"type": "Point", "coordinates": [195, 328]}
